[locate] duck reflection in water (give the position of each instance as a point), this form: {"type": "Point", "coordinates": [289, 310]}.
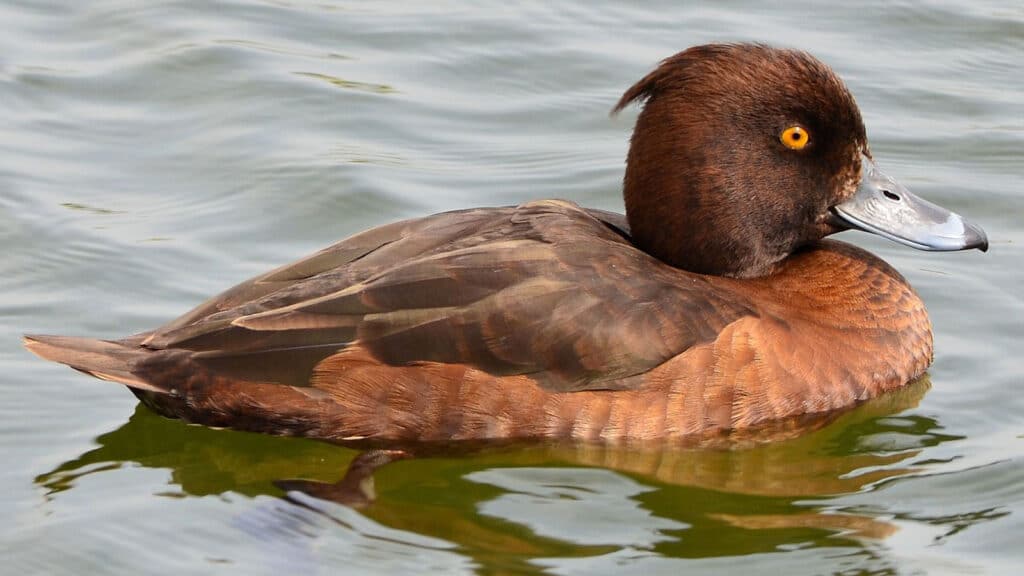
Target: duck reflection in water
{"type": "Point", "coordinates": [721, 493]}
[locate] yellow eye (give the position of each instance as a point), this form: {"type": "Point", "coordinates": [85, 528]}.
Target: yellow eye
{"type": "Point", "coordinates": [794, 137]}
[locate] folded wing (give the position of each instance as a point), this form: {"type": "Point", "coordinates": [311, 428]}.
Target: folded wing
{"type": "Point", "coordinates": [504, 290]}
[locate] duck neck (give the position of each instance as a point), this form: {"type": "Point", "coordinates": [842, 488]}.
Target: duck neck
{"type": "Point", "coordinates": [679, 213]}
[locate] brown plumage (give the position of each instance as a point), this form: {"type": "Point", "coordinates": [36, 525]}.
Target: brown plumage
{"type": "Point", "coordinates": [716, 308]}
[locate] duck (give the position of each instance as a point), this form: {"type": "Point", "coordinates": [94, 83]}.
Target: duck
{"type": "Point", "coordinates": [716, 305]}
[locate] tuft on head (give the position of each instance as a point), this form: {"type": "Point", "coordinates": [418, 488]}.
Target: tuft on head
{"type": "Point", "coordinates": [735, 65]}
{"type": "Point", "coordinates": [675, 70]}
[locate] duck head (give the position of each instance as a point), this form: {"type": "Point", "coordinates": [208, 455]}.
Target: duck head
{"type": "Point", "coordinates": [744, 153]}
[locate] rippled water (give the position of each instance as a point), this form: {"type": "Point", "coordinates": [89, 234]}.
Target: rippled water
{"type": "Point", "coordinates": [153, 153]}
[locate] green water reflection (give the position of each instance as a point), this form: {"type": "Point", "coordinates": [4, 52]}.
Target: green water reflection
{"type": "Point", "coordinates": [505, 507]}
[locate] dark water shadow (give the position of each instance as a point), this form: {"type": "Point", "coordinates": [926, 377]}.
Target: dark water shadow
{"type": "Point", "coordinates": [508, 506]}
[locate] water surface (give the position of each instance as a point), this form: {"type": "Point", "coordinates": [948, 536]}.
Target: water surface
{"type": "Point", "coordinates": [154, 153]}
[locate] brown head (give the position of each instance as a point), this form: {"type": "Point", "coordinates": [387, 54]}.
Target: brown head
{"type": "Point", "coordinates": [744, 153]}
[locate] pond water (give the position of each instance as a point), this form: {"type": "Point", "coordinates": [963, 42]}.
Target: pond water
{"type": "Point", "coordinates": [154, 153]}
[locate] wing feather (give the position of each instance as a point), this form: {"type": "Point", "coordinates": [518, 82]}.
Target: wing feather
{"type": "Point", "coordinates": [504, 290]}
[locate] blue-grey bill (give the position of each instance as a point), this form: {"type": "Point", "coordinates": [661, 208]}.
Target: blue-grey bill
{"type": "Point", "coordinates": [883, 206]}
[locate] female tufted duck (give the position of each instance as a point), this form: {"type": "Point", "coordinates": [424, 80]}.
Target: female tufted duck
{"type": "Point", "coordinates": [714, 305]}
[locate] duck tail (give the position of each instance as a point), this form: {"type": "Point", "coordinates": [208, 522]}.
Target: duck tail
{"type": "Point", "coordinates": [104, 359]}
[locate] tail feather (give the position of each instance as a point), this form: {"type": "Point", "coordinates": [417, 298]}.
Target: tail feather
{"type": "Point", "coordinates": [103, 359]}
